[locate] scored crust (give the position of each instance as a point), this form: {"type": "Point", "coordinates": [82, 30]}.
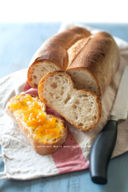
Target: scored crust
{"type": "Point", "coordinates": [39, 146]}
{"type": "Point", "coordinates": [41, 87]}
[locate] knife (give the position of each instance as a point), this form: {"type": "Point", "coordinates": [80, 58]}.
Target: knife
{"type": "Point", "coordinates": [104, 144]}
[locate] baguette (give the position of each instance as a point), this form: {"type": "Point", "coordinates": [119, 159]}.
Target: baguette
{"type": "Point", "coordinates": [46, 133]}
{"type": "Point", "coordinates": [81, 108]}
{"type": "Point", "coordinates": [53, 54]}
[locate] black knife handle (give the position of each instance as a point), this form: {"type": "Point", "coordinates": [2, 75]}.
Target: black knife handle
{"type": "Point", "coordinates": [101, 152]}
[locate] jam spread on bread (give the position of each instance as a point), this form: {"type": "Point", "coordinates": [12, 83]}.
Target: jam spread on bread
{"type": "Point", "coordinates": [44, 127]}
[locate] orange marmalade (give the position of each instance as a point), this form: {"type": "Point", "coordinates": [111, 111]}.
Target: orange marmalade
{"type": "Point", "coordinates": [31, 111]}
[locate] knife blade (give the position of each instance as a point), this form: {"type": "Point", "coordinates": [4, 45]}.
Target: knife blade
{"type": "Point", "coordinates": [104, 144]}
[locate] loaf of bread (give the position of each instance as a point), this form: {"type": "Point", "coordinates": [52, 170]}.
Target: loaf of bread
{"type": "Point", "coordinates": [79, 107]}
{"type": "Point", "coordinates": [53, 54]}
{"type": "Point", "coordinates": [100, 56]}
{"type": "Point", "coordinates": [91, 60]}
{"type": "Point", "coordinates": [46, 133]}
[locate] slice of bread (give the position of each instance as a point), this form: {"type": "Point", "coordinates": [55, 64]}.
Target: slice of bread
{"type": "Point", "coordinates": [45, 132]}
{"type": "Point", "coordinates": [81, 108]}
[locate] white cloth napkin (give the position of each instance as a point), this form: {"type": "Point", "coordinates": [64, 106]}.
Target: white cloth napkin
{"type": "Point", "coordinates": [21, 161]}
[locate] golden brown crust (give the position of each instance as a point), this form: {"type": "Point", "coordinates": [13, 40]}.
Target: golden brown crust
{"type": "Point", "coordinates": [29, 76]}
{"type": "Point", "coordinates": [40, 90]}
{"type": "Point", "coordinates": [76, 48]}
{"type": "Point", "coordinates": [40, 147]}
{"type": "Point", "coordinates": [94, 51]}
{"type": "Point", "coordinates": [55, 48]}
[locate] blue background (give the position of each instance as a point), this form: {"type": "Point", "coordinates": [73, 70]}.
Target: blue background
{"type": "Point", "coordinates": [18, 42]}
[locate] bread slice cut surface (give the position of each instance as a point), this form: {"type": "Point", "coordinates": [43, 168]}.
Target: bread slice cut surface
{"type": "Point", "coordinates": [81, 108]}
